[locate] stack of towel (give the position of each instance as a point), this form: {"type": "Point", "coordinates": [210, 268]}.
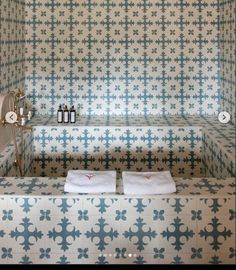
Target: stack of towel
{"type": "Point", "coordinates": [148, 183]}
{"type": "Point", "coordinates": [133, 182]}
{"type": "Point", "coordinates": [90, 181]}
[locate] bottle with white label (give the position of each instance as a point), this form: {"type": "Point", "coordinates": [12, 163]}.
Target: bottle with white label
{"type": "Point", "coordinates": [66, 115]}
{"type": "Point", "coordinates": [72, 115]}
{"type": "Point", "coordinates": [60, 115]}
{"type": "Point", "coordinates": [21, 111]}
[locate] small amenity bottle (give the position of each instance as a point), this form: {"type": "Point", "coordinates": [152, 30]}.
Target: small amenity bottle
{"type": "Point", "coordinates": [66, 115]}
{"type": "Point", "coordinates": [59, 115]}
{"type": "Point", "coordinates": [72, 115]}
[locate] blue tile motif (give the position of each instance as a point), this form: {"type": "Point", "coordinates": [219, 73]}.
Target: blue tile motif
{"type": "Point", "coordinates": [140, 206]}
{"type": "Point", "coordinates": [227, 22]}
{"type": "Point", "coordinates": [196, 215]}
{"type": "Point", "coordinates": [149, 57]}
{"type": "Point", "coordinates": [26, 206]}
{"type": "Point", "coordinates": [196, 253]}
{"type": "Point", "coordinates": [177, 260]}
{"type": "Point", "coordinates": [63, 204]}
{"type": "Point", "coordinates": [158, 215]}
{"type": "Point", "coordinates": [26, 234]}
{"type": "Point", "coordinates": [140, 260]}
{"type": "Point", "coordinates": [83, 215]}
{"type": "Point", "coordinates": [30, 187]}
{"type": "Point", "coordinates": [102, 234]}
{"type": "Point", "coordinates": [121, 253]}
{"type": "Point", "coordinates": [7, 215]}
{"type": "Point", "coordinates": [101, 260]}
{"type": "Point", "coordinates": [215, 233]}
{"type": "Point", "coordinates": [102, 206]}
{"type": "Point", "coordinates": [2, 233]}
{"type": "Point", "coordinates": [84, 234]}
{"type": "Point", "coordinates": [159, 253]}
{"type": "Point", "coordinates": [45, 253]}
{"type": "Point", "coordinates": [82, 253]}
{"type": "Point", "coordinates": [211, 187]}
{"type": "Point", "coordinates": [178, 234]}
{"type": "Point", "coordinates": [119, 149]}
{"type": "Point", "coordinates": [64, 234]}
{"type": "Point", "coordinates": [25, 260]}
{"type": "Point", "coordinates": [12, 55]}
{"type": "Point", "coordinates": [63, 260]}
{"type": "Point", "coordinates": [7, 253]}
{"type": "Point", "coordinates": [233, 252]}
{"type": "Point", "coordinates": [4, 183]}
{"type": "Point", "coordinates": [215, 260]}
{"type": "Point", "coordinates": [140, 234]}
{"type": "Point", "coordinates": [121, 215]}
{"type": "Point", "coordinates": [127, 57]}
{"type": "Point", "coordinates": [45, 215]}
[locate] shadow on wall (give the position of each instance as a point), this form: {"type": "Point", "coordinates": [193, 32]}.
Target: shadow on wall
{"type": "Point", "coordinates": [181, 164]}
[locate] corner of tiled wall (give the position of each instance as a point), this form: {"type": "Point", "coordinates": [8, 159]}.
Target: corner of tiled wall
{"type": "Point", "coordinates": [227, 25]}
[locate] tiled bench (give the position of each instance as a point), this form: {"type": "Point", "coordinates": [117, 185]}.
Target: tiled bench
{"type": "Point", "coordinates": [135, 143]}
{"type": "Point", "coordinates": [179, 143]}
{"type": "Point", "coordinates": [219, 145]}
{"type": "Point", "coordinates": [42, 224]}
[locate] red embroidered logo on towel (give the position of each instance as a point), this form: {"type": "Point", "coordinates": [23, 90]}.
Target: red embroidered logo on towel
{"type": "Point", "coordinates": [90, 176]}
{"type": "Point", "coordinates": [148, 177]}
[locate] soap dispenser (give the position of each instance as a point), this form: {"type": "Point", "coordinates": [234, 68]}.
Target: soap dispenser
{"type": "Point", "coordinates": [60, 115]}
{"type": "Point", "coordinates": [72, 115]}
{"type": "Point", "coordinates": [66, 115]}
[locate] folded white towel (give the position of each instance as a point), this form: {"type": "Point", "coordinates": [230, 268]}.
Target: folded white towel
{"type": "Point", "coordinates": [80, 181]}
{"type": "Point", "coordinates": [148, 182]}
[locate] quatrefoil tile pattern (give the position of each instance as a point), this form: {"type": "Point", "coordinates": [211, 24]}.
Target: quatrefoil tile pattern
{"type": "Point", "coordinates": [46, 226]}
{"type": "Point", "coordinates": [123, 56]}
{"type": "Point", "coordinates": [227, 25]}
{"type": "Point", "coordinates": [59, 149]}
{"type": "Point", "coordinates": [12, 44]}
{"type": "Point", "coordinates": [197, 18]}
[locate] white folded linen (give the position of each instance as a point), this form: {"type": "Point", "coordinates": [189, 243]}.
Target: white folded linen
{"type": "Point", "coordinates": [80, 181]}
{"type": "Point", "coordinates": [148, 182]}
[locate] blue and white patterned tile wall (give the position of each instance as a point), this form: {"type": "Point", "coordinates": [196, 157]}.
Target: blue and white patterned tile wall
{"type": "Point", "coordinates": [8, 157]}
{"type": "Point", "coordinates": [227, 56]}
{"type": "Point", "coordinates": [12, 64]}
{"type": "Point", "coordinates": [46, 226]}
{"type": "Point", "coordinates": [123, 56]}
{"type": "Point", "coordinates": [12, 45]}
{"type": "Point", "coordinates": [177, 143]}
{"type": "Point", "coordinates": [59, 149]}
{"type": "Point", "coordinates": [217, 160]}
{"type": "Point", "coordinates": [218, 148]}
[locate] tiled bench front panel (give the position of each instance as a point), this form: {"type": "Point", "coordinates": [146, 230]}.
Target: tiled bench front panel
{"type": "Point", "coordinates": [128, 143]}
{"type": "Point", "coordinates": [195, 225]}
{"type": "Point", "coordinates": [58, 149]}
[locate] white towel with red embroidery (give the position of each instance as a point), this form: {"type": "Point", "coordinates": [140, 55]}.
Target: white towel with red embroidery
{"type": "Point", "coordinates": [148, 183]}
{"type": "Point", "coordinates": [80, 181]}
